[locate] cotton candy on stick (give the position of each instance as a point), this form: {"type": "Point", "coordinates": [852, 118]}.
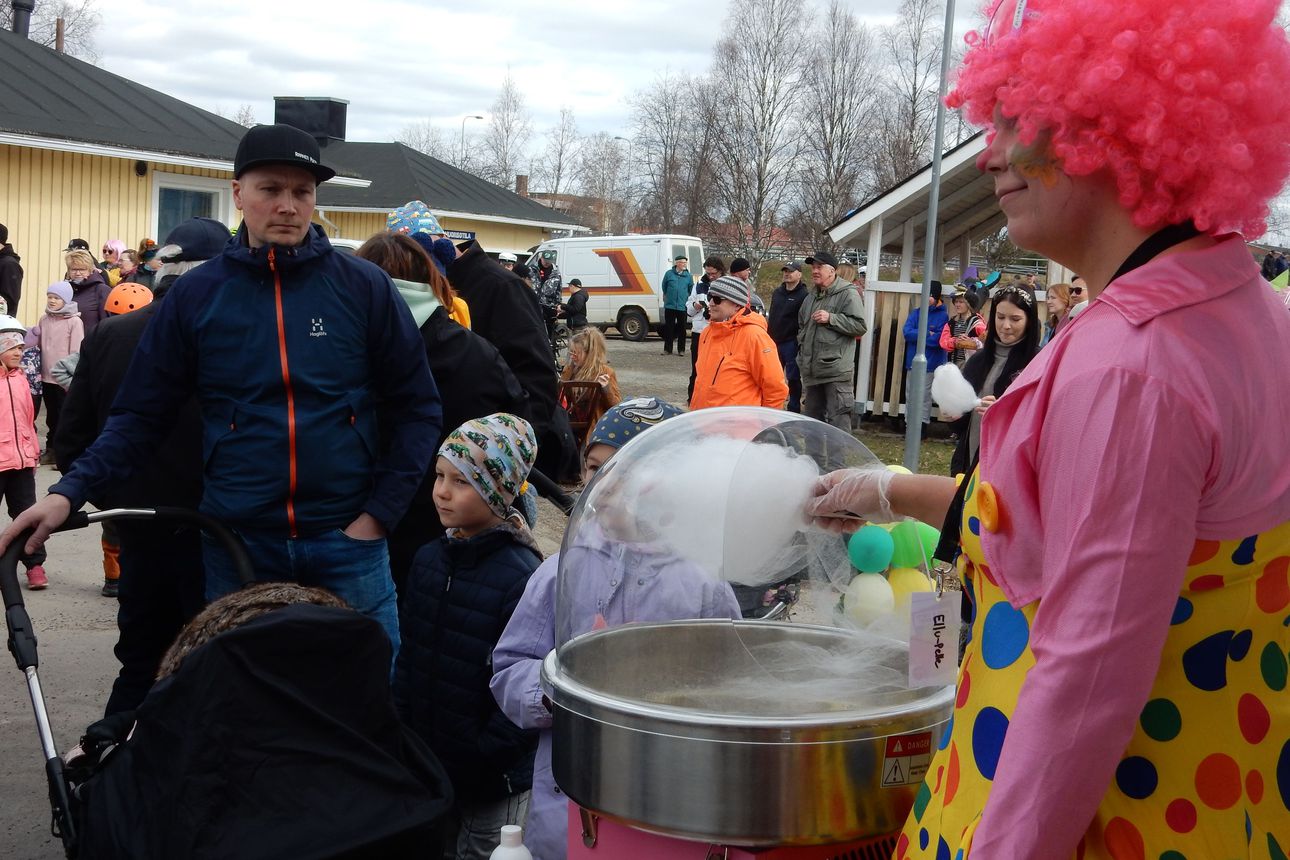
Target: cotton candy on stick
{"type": "Point", "coordinates": [954, 393]}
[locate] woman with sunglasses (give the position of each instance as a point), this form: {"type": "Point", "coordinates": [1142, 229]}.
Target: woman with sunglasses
{"type": "Point", "coordinates": [1126, 537]}
{"type": "Point", "coordinates": [1011, 341]}
{"type": "Point", "coordinates": [1079, 297]}
{"type": "Point", "coordinates": [110, 265]}
{"type": "Point", "coordinates": [738, 364]}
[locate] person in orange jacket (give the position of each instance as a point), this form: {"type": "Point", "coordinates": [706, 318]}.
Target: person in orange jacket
{"type": "Point", "coordinates": [738, 364]}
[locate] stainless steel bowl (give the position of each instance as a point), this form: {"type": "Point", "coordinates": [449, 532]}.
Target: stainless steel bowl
{"type": "Point", "coordinates": [685, 728]}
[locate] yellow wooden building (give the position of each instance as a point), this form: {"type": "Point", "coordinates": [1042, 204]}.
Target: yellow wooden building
{"type": "Point", "coordinates": [70, 168]}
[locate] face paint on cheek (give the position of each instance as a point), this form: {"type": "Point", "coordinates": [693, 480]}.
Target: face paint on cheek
{"type": "Point", "coordinates": [1036, 161]}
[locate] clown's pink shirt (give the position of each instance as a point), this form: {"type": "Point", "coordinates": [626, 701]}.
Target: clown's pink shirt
{"type": "Point", "coordinates": [1157, 417]}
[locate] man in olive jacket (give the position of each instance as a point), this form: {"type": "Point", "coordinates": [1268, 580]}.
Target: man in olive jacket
{"type": "Point", "coordinates": [828, 323]}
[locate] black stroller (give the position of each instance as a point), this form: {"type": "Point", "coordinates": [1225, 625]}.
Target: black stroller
{"type": "Point", "coordinates": [274, 739]}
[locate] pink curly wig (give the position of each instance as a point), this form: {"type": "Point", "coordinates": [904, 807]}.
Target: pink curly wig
{"type": "Point", "coordinates": [1186, 103]}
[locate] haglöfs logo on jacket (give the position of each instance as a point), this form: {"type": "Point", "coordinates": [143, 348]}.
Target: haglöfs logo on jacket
{"type": "Point", "coordinates": [316, 327]}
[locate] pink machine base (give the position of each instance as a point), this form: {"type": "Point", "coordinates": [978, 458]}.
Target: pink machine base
{"type": "Point", "coordinates": [617, 841]}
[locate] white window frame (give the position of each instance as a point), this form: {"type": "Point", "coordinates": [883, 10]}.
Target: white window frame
{"type": "Point", "coordinates": [224, 209]}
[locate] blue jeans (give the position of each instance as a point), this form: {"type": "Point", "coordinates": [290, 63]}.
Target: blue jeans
{"type": "Point", "coordinates": [356, 571]}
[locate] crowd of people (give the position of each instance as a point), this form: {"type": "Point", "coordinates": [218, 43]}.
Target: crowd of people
{"type": "Point", "coordinates": [370, 425]}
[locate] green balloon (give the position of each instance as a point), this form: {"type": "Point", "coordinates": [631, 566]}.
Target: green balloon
{"type": "Point", "coordinates": [914, 543]}
{"type": "Point", "coordinates": [870, 549]}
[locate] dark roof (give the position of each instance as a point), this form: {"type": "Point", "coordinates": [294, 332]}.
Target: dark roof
{"type": "Point", "coordinates": [400, 174]}
{"type": "Point", "coordinates": [926, 167]}
{"type": "Point", "coordinates": [48, 94]}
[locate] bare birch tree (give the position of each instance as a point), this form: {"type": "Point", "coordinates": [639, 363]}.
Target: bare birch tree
{"type": "Point", "coordinates": [602, 180]}
{"type": "Point", "coordinates": [245, 116]}
{"type": "Point", "coordinates": [697, 155]}
{"type": "Point", "coordinates": [81, 21]}
{"type": "Point", "coordinates": [507, 138]}
{"type": "Point", "coordinates": [553, 172]}
{"type": "Point", "coordinates": [907, 126]}
{"type": "Point", "coordinates": [663, 115]}
{"type": "Point", "coordinates": [756, 75]}
{"type": "Point", "coordinates": [426, 137]}
{"type": "Point", "coordinates": [842, 96]}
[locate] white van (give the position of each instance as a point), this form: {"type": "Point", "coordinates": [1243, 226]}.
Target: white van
{"type": "Point", "coordinates": [623, 274]}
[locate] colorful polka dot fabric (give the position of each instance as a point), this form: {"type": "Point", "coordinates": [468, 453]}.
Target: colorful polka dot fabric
{"type": "Point", "coordinates": [1207, 773]}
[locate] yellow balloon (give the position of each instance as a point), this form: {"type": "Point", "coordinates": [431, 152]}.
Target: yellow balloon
{"type": "Point", "coordinates": [898, 469]}
{"type": "Point", "coordinates": [868, 596]}
{"type": "Point", "coordinates": [904, 581]}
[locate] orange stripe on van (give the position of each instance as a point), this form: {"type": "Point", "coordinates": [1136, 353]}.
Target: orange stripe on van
{"type": "Point", "coordinates": [630, 280]}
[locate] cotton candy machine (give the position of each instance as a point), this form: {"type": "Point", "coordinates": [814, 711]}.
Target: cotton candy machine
{"type": "Point", "coordinates": [678, 722]}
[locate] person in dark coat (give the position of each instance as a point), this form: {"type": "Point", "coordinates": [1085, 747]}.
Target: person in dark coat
{"type": "Point", "coordinates": [89, 288]}
{"type": "Point", "coordinates": [463, 589]}
{"type": "Point", "coordinates": [505, 313]}
{"type": "Point", "coordinates": [161, 585]}
{"type": "Point", "coordinates": [10, 273]}
{"type": "Point", "coordinates": [575, 309]}
{"type": "Point", "coordinates": [472, 377]}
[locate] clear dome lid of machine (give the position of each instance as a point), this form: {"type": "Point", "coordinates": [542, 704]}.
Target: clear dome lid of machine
{"type": "Point", "coordinates": [691, 530]}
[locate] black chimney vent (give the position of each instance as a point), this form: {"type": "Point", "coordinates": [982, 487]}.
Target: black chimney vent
{"type": "Point", "coordinates": [322, 117]}
{"type": "Point", "coordinates": [22, 10]}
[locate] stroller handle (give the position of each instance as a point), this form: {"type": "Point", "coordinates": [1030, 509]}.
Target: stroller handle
{"type": "Point", "coordinates": [22, 638]}
{"type": "Point", "coordinates": [227, 537]}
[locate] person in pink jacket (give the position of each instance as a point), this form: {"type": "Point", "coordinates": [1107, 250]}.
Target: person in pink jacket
{"type": "Point", "coordinates": [1126, 537]}
{"type": "Point", "coordinates": [58, 334]}
{"type": "Point", "coordinates": [964, 334]}
{"type": "Point", "coordinates": [19, 450]}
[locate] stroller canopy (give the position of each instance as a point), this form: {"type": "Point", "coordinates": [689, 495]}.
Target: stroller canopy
{"type": "Point", "coordinates": [275, 739]}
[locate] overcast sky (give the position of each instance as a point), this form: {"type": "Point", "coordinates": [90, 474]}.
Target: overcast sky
{"type": "Point", "coordinates": [402, 62]}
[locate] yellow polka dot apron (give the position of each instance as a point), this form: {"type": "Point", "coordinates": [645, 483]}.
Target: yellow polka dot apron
{"type": "Point", "coordinates": [1206, 775]}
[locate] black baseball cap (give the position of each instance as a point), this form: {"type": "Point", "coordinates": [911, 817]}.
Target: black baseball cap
{"type": "Point", "coordinates": [198, 239]}
{"type": "Point", "coordinates": [823, 258]}
{"type": "Point", "coordinates": [793, 267]}
{"type": "Point", "coordinates": [575, 282]}
{"type": "Point", "coordinates": [280, 144]}
{"type": "Point", "coordinates": [77, 245]}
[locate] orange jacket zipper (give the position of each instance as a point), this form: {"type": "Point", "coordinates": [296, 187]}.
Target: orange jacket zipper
{"type": "Point", "coordinates": [291, 397]}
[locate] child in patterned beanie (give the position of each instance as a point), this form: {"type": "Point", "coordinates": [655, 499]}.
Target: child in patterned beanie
{"type": "Point", "coordinates": [461, 592]}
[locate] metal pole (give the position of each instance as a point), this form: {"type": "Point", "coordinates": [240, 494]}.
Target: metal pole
{"type": "Point", "coordinates": [22, 10]}
{"type": "Point", "coordinates": [463, 137]}
{"type": "Point", "coordinates": [628, 196]}
{"type": "Point", "coordinates": [918, 372]}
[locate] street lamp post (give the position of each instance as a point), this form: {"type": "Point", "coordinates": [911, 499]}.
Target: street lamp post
{"type": "Point", "coordinates": [918, 371]}
{"type": "Point", "coordinates": [627, 202]}
{"type": "Point", "coordinates": [463, 136]}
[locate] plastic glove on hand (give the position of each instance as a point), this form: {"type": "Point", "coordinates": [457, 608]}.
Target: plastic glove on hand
{"type": "Point", "coordinates": [847, 499]}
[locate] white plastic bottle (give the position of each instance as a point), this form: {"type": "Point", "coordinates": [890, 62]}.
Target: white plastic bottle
{"type": "Point", "coordinates": [512, 847]}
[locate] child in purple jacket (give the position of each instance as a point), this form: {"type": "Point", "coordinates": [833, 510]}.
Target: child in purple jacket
{"type": "Point", "coordinates": [530, 635]}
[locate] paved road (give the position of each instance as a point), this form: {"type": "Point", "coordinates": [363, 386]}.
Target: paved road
{"type": "Point", "coordinates": [77, 629]}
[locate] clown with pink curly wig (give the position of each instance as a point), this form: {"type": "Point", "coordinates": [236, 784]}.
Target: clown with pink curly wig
{"type": "Point", "coordinates": [1126, 535]}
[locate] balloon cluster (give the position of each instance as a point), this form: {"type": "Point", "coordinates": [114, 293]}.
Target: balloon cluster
{"type": "Point", "coordinates": [891, 563]}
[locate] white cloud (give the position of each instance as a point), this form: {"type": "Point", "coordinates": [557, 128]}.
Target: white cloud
{"type": "Point", "coordinates": [399, 62]}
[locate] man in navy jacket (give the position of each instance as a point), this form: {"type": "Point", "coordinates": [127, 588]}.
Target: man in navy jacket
{"type": "Point", "coordinates": [291, 349]}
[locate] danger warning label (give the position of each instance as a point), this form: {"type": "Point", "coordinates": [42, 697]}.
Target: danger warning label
{"type": "Point", "coordinates": [906, 759]}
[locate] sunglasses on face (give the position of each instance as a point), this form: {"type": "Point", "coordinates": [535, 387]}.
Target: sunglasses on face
{"type": "Point", "coordinates": [1077, 291]}
{"type": "Point", "coordinates": [715, 300]}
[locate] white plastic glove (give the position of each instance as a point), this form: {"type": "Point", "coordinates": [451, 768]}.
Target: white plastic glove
{"type": "Point", "coordinates": [848, 498]}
